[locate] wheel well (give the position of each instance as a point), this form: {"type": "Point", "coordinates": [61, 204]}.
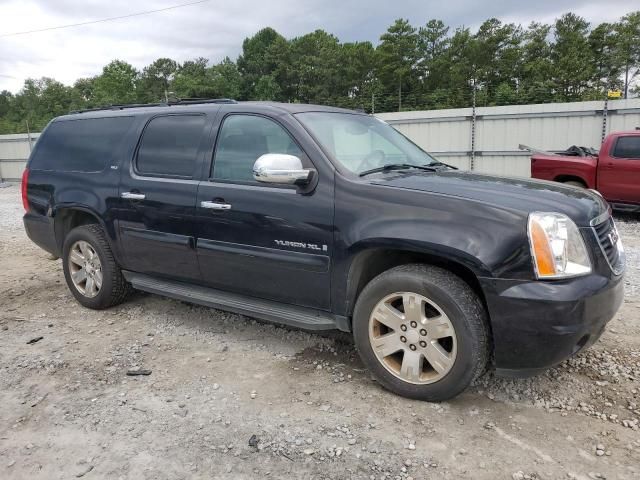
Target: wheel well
{"type": "Point", "coordinates": [67, 219]}
{"type": "Point", "coordinates": [570, 178]}
{"type": "Point", "coordinates": [371, 263]}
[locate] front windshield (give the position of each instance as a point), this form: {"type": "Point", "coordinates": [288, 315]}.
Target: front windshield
{"type": "Point", "coordinates": [361, 142]}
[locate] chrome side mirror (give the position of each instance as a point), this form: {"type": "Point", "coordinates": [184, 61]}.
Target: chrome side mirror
{"type": "Point", "coordinates": [281, 168]}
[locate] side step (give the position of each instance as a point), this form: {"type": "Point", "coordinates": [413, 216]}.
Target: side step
{"type": "Point", "coordinates": [299, 317]}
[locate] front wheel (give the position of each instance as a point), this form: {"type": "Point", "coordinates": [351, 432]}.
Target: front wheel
{"type": "Point", "coordinates": [422, 332]}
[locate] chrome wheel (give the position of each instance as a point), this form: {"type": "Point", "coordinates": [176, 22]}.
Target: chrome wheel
{"type": "Point", "coordinates": [412, 338]}
{"type": "Point", "coordinates": [85, 269]}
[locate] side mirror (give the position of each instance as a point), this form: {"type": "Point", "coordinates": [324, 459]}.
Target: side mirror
{"type": "Point", "coordinates": [281, 168]}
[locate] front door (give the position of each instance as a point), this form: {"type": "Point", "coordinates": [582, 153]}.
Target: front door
{"type": "Point", "coordinates": [261, 240]}
{"type": "Point", "coordinates": [158, 197]}
{"type": "Point", "coordinates": [619, 173]}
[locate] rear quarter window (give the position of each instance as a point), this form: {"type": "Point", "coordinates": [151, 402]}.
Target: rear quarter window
{"type": "Point", "coordinates": [84, 145]}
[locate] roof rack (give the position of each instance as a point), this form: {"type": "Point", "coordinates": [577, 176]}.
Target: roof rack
{"type": "Point", "coordinates": [180, 101]}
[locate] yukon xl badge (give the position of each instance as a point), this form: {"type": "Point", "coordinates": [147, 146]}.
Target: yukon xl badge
{"type": "Point", "coordinates": [308, 246]}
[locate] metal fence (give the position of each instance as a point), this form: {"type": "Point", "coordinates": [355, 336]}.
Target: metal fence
{"type": "Point", "coordinates": [485, 140]}
{"type": "Point", "coordinates": [14, 151]}
{"type": "Point", "coordinates": [488, 141]}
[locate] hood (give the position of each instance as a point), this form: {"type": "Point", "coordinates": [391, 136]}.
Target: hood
{"type": "Point", "coordinates": [523, 195]}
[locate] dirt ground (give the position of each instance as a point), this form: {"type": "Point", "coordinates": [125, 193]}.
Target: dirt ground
{"type": "Point", "coordinates": [230, 397]}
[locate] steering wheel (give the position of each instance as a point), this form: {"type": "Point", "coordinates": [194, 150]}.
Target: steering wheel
{"type": "Point", "coordinates": [374, 160]}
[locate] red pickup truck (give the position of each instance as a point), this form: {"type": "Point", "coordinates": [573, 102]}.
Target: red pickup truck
{"type": "Point", "coordinates": [614, 172]}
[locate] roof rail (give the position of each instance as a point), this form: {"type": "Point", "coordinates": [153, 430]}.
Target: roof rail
{"type": "Point", "coordinates": [180, 101]}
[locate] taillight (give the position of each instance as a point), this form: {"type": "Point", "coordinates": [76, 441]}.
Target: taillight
{"type": "Point", "coordinates": [25, 181]}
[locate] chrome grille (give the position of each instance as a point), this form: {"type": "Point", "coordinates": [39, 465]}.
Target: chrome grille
{"type": "Point", "coordinates": [607, 236]}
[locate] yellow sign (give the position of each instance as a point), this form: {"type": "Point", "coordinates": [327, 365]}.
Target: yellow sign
{"type": "Point", "coordinates": [614, 94]}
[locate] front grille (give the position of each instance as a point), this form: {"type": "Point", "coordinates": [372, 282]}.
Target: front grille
{"type": "Point", "coordinates": [607, 236]}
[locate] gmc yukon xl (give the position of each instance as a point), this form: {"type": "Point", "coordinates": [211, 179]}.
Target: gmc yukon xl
{"type": "Point", "coordinates": [325, 218]}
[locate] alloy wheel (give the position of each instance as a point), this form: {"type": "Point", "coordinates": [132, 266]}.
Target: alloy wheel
{"type": "Point", "coordinates": [412, 337]}
{"type": "Point", "coordinates": [85, 269]}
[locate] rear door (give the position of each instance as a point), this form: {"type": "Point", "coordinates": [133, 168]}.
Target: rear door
{"type": "Point", "coordinates": [158, 195]}
{"type": "Point", "coordinates": [619, 172]}
{"type": "Point", "coordinates": [263, 240]}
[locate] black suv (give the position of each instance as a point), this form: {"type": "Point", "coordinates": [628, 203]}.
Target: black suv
{"type": "Point", "coordinates": [324, 218]}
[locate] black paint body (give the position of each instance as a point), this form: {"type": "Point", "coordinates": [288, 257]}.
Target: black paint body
{"type": "Point", "coordinates": [471, 223]}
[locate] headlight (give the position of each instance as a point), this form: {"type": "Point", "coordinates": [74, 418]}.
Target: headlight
{"type": "Point", "coordinates": [557, 247]}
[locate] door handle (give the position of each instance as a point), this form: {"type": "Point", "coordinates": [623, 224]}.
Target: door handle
{"type": "Point", "coordinates": [215, 205]}
{"type": "Point", "coordinates": [133, 196]}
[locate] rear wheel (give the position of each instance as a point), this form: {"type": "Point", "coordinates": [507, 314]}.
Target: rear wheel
{"type": "Point", "coordinates": [422, 332]}
{"type": "Point", "coordinates": [90, 269]}
{"type": "Point", "coordinates": [575, 183]}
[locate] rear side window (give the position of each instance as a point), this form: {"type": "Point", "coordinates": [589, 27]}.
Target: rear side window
{"type": "Point", "coordinates": [86, 145]}
{"type": "Point", "coordinates": [627, 147]}
{"type": "Point", "coordinates": [170, 146]}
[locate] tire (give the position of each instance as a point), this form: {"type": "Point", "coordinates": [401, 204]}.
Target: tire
{"type": "Point", "coordinates": [459, 340]}
{"type": "Point", "coordinates": [114, 289]}
{"type": "Point", "coordinates": [575, 183]}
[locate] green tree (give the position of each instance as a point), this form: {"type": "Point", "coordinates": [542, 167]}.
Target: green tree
{"type": "Point", "coordinates": [116, 85]}
{"type": "Point", "coordinates": [607, 64]}
{"type": "Point", "coordinates": [433, 42]}
{"type": "Point", "coordinates": [154, 83]}
{"type": "Point", "coordinates": [357, 71]}
{"type": "Point", "coordinates": [264, 54]}
{"type": "Point", "coordinates": [315, 60]}
{"type": "Point", "coordinates": [85, 87]}
{"type": "Point", "coordinates": [225, 79]}
{"type": "Point", "coordinates": [537, 66]}
{"type": "Point", "coordinates": [573, 66]}
{"type": "Point", "coordinates": [628, 47]}
{"type": "Point", "coordinates": [192, 80]}
{"type": "Point", "coordinates": [464, 71]}
{"type": "Point", "coordinates": [398, 56]}
{"type": "Point", "coordinates": [497, 57]}
{"type": "Point", "coordinates": [266, 88]}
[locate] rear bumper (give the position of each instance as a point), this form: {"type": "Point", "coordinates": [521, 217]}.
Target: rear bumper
{"type": "Point", "coordinates": [41, 231]}
{"type": "Point", "coordinates": [537, 325]}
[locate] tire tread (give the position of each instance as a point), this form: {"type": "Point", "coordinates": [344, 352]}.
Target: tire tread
{"type": "Point", "coordinates": [467, 301]}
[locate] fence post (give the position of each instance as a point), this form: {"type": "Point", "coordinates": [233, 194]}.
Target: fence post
{"type": "Point", "coordinates": [473, 129]}
{"type": "Point", "coordinates": [604, 118]}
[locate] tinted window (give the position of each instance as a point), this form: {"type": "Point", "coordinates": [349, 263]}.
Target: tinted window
{"type": "Point", "coordinates": [170, 145]}
{"type": "Point", "coordinates": [627, 147]}
{"type": "Point", "coordinates": [244, 138]}
{"type": "Point", "coordinates": [86, 145]}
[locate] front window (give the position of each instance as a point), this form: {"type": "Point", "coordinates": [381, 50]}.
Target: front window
{"type": "Point", "coordinates": [360, 142]}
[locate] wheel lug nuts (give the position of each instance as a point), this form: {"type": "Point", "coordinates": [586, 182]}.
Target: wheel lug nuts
{"type": "Point", "coordinates": [423, 332]}
{"type": "Point", "coordinates": [412, 347]}
{"type": "Point", "coordinates": [403, 328]}
{"type": "Point", "coordinates": [414, 324]}
{"type": "Point", "coordinates": [403, 339]}
{"type": "Point", "coordinates": [423, 344]}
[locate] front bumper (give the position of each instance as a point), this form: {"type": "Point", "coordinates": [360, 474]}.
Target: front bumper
{"type": "Point", "coordinates": [538, 324]}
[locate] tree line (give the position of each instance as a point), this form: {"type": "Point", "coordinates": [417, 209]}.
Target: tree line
{"type": "Point", "coordinates": [425, 67]}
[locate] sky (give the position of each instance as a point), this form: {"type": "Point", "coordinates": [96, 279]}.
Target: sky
{"type": "Point", "coordinates": [216, 28]}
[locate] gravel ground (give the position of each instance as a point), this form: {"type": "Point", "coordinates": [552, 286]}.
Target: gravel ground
{"type": "Point", "coordinates": [232, 397]}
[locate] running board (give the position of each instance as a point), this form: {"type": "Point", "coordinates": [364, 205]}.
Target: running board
{"type": "Point", "coordinates": [299, 317]}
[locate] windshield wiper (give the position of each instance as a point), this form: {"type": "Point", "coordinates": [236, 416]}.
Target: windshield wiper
{"type": "Point", "coordinates": [437, 162]}
{"type": "Point", "coordinates": [397, 166]}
